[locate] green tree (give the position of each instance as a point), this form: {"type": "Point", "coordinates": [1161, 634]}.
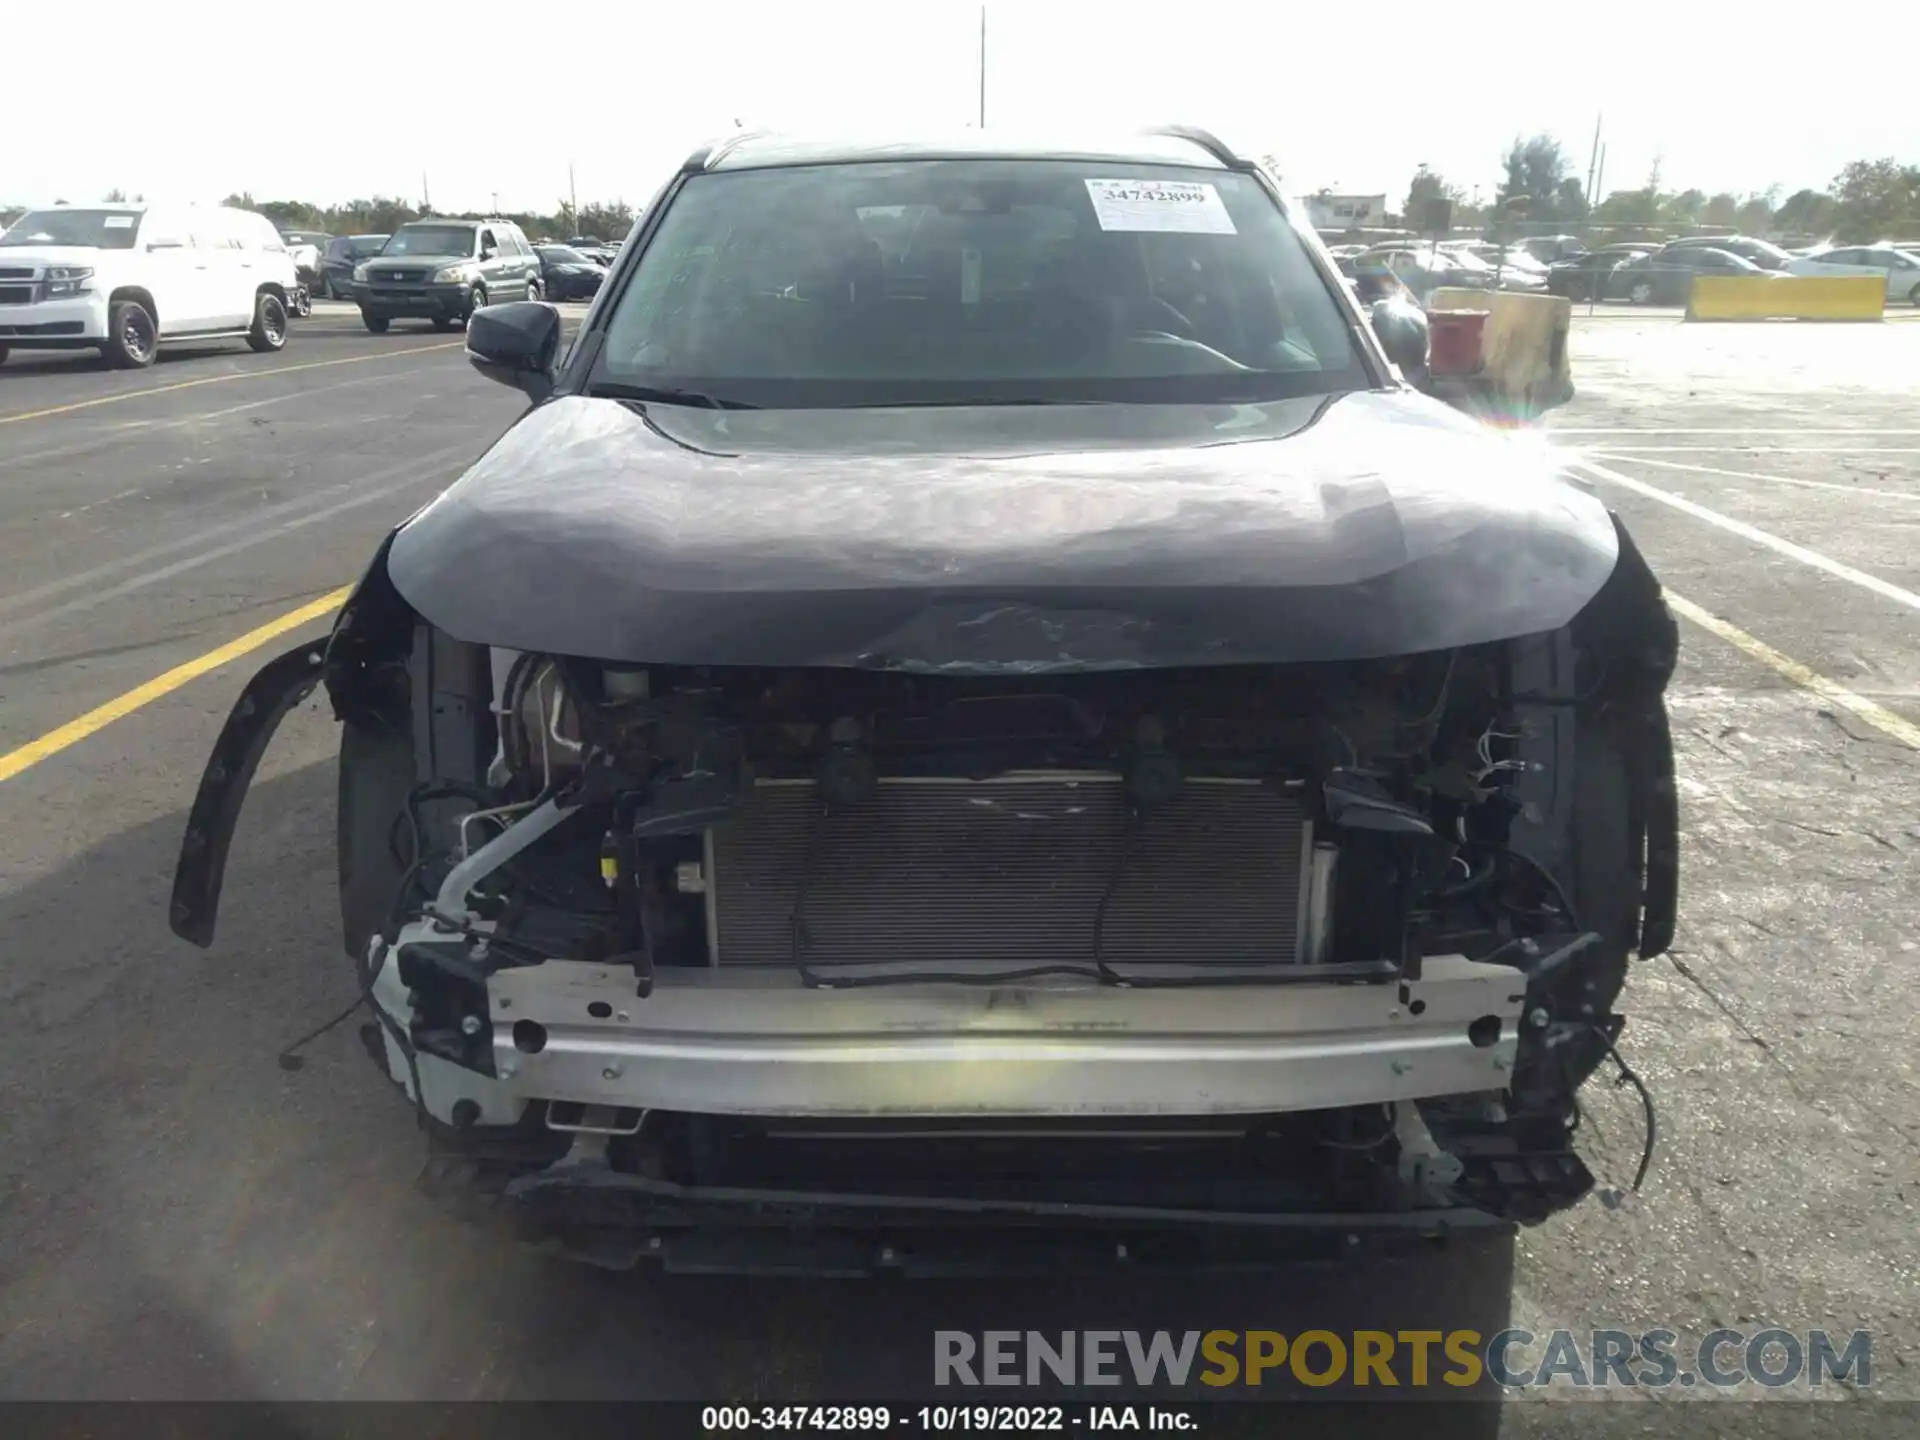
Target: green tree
{"type": "Point", "coordinates": [1876, 199]}
{"type": "Point", "coordinates": [1427, 187]}
{"type": "Point", "coordinates": [1570, 201]}
{"type": "Point", "coordinates": [1629, 207]}
{"type": "Point", "coordinates": [1805, 212]}
{"type": "Point", "coordinates": [1534, 169]}
{"type": "Point", "coordinates": [115, 196]}
{"type": "Point", "coordinates": [1686, 207]}
{"type": "Point", "coordinates": [606, 222]}
{"type": "Point", "coordinates": [1722, 211]}
{"type": "Point", "coordinates": [1755, 216]}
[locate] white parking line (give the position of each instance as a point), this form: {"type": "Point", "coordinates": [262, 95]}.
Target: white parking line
{"type": "Point", "coordinates": [1910, 495]}
{"type": "Point", "coordinates": [1834, 693]}
{"type": "Point", "coordinates": [1773, 542]}
{"type": "Point", "coordinates": [1764, 449]}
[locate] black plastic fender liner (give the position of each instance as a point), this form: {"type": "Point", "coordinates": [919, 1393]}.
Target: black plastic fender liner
{"type": "Point", "coordinates": [1660, 899]}
{"type": "Point", "coordinates": [1630, 626]}
{"type": "Point", "coordinates": [374, 624]}
{"type": "Point", "coordinates": [275, 689]}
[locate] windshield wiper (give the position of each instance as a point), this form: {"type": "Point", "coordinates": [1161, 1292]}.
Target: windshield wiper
{"type": "Point", "coordinates": [664, 395]}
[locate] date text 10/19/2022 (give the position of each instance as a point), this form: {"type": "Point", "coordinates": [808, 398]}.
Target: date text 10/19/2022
{"type": "Point", "coordinates": [943, 1419]}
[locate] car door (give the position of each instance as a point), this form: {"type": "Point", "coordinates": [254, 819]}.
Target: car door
{"type": "Point", "coordinates": [1892, 266]}
{"type": "Point", "coordinates": [176, 273]}
{"type": "Point", "coordinates": [530, 269]}
{"type": "Point", "coordinates": [1903, 280]}
{"type": "Point", "coordinates": [261, 257]}
{"type": "Point", "coordinates": [217, 252]}
{"type": "Point", "coordinates": [1842, 262]}
{"type": "Point", "coordinates": [491, 259]}
{"type": "Point", "coordinates": [512, 284]}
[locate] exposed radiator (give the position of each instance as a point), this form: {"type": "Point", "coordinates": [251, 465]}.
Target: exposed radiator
{"type": "Point", "coordinates": [1011, 871]}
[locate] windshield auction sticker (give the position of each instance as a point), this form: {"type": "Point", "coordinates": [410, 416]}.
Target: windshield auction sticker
{"type": "Point", "coordinates": [1190, 207]}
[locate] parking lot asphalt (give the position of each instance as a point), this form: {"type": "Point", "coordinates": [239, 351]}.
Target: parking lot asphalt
{"type": "Point", "coordinates": [179, 1218]}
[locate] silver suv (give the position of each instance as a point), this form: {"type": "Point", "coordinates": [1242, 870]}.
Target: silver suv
{"type": "Point", "coordinates": [444, 270]}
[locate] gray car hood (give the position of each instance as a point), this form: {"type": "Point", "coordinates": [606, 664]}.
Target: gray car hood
{"type": "Point", "coordinates": [1006, 539]}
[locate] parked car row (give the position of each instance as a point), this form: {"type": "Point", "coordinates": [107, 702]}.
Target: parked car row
{"type": "Point", "coordinates": [1640, 272]}
{"type": "Point", "coordinates": [1425, 268]}
{"type": "Point", "coordinates": [443, 270]}
{"type": "Point", "coordinates": [1663, 274]}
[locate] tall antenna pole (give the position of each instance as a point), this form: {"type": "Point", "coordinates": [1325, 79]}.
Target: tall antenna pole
{"type": "Point", "coordinates": [983, 67]}
{"type": "Point", "coordinates": [1593, 161]}
{"type": "Point", "coordinates": [573, 201]}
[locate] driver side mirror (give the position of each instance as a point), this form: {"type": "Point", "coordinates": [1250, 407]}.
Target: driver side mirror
{"type": "Point", "coordinates": [516, 344]}
{"type": "Point", "coordinates": [487, 252]}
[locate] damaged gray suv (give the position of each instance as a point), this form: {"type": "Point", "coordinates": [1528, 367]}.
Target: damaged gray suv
{"type": "Point", "coordinates": [977, 719]}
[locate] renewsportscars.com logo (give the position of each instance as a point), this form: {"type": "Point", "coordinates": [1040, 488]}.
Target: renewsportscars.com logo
{"type": "Point", "coordinates": [1416, 1359]}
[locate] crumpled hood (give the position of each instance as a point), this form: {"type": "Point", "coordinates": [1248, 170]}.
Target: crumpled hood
{"type": "Point", "coordinates": [1005, 539]}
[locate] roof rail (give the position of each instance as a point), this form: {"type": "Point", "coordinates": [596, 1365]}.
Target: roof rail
{"type": "Point", "coordinates": [710, 153]}
{"type": "Point", "coordinates": [1206, 140]}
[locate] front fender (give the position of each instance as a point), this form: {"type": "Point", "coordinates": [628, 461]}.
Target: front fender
{"type": "Point", "coordinates": [275, 689]}
{"type": "Point", "coordinates": [363, 633]}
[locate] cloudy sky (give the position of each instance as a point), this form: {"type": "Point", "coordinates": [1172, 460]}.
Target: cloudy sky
{"type": "Point", "coordinates": [1347, 98]}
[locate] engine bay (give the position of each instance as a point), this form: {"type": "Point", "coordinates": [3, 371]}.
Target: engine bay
{"type": "Point", "coordinates": [865, 827]}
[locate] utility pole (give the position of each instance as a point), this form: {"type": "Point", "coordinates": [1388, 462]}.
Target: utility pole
{"type": "Point", "coordinates": [1593, 163]}
{"type": "Point", "coordinates": [426, 199]}
{"type": "Point", "coordinates": [573, 201]}
{"type": "Point", "coordinates": [983, 67]}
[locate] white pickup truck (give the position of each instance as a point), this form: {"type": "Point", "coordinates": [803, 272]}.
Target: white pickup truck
{"type": "Point", "coordinates": [123, 279]}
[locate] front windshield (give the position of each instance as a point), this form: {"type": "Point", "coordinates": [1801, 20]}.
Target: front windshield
{"type": "Point", "coordinates": [431, 240]}
{"type": "Point", "coordinates": [362, 246]}
{"type": "Point", "coordinates": [977, 281]}
{"type": "Point", "coordinates": [101, 229]}
{"type": "Point", "coordinates": [562, 255]}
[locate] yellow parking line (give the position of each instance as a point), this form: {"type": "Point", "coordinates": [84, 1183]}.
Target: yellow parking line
{"type": "Point", "coordinates": [219, 379]}
{"type": "Point", "coordinates": [121, 706]}
{"type": "Point", "coordinates": [1834, 693]}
